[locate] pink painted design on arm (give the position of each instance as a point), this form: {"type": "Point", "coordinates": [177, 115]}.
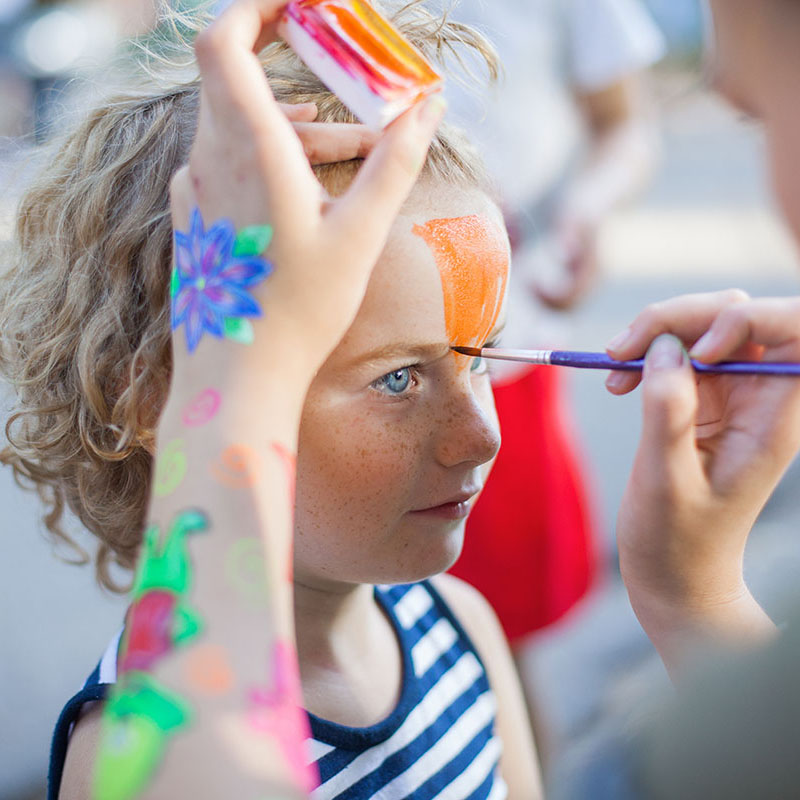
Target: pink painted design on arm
{"type": "Point", "coordinates": [276, 711]}
{"type": "Point", "coordinates": [289, 460]}
{"type": "Point", "coordinates": [202, 409]}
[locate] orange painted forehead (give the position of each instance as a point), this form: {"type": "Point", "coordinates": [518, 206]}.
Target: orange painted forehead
{"type": "Point", "coordinates": [472, 256]}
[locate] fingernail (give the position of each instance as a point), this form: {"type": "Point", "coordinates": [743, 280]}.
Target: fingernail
{"type": "Point", "coordinates": [666, 352]}
{"type": "Point", "coordinates": [619, 340]}
{"type": "Point", "coordinates": [615, 380]}
{"type": "Point", "coordinates": [433, 109]}
{"type": "Point", "coordinates": [704, 344]}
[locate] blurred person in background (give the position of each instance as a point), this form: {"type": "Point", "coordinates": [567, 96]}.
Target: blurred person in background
{"type": "Point", "coordinates": [568, 138]}
{"type": "Point", "coordinates": [711, 452]}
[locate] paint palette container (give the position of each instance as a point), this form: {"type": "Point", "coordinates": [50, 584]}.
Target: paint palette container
{"type": "Point", "coordinates": [360, 56]}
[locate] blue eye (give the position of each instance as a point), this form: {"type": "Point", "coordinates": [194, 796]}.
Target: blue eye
{"type": "Point", "coordinates": [478, 365]}
{"type": "Point", "coordinates": [395, 382]}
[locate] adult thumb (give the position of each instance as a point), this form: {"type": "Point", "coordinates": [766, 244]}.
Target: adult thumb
{"type": "Point", "coordinates": [669, 409]}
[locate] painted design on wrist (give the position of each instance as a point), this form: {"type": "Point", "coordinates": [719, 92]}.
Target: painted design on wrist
{"type": "Point", "coordinates": [140, 715]}
{"type": "Point", "coordinates": [237, 467]}
{"type": "Point", "coordinates": [275, 711]}
{"type": "Point", "coordinates": [214, 269]}
{"type": "Point", "coordinates": [245, 569]}
{"type": "Point", "coordinates": [289, 461]}
{"type": "Point", "coordinates": [201, 409]}
{"type": "Point", "coordinates": [170, 469]}
{"type": "Point", "coordinates": [208, 670]}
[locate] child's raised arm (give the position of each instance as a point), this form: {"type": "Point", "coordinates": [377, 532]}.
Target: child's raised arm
{"type": "Point", "coordinates": [268, 274]}
{"type": "Point", "coordinates": [712, 450]}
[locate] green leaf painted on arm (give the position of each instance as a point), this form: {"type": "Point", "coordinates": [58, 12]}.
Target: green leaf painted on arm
{"type": "Point", "coordinates": [252, 241]}
{"type": "Point", "coordinates": [239, 330]}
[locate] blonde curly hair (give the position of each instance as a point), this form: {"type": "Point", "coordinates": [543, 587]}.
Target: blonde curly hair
{"type": "Point", "coordinates": [84, 310]}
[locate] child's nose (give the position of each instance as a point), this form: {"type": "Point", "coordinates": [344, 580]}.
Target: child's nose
{"type": "Point", "coordinates": [468, 430]}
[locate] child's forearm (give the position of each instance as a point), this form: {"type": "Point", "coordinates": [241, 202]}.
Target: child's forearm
{"type": "Point", "coordinates": [208, 701]}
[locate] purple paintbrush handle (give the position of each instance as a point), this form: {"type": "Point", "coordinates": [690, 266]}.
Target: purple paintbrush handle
{"type": "Point", "coordinates": [569, 358]}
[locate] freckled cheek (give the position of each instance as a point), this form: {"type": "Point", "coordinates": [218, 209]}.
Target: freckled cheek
{"type": "Point", "coordinates": [354, 474]}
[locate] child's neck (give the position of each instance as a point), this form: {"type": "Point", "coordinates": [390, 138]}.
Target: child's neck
{"type": "Point", "coordinates": [350, 661]}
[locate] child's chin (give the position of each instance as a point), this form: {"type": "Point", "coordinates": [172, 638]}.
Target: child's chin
{"type": "Point", "coordinates": [435, 557]}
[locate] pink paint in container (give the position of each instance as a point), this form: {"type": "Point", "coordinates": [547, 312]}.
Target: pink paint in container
{"type": "Point", "coordinates": [360, 56]}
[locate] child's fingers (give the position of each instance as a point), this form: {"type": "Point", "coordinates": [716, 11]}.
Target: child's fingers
{"type": "Point", "coordinates": [385, 180]}
{"type": "Point", "coordinates": [773, 323]}
{"type": "Point", "coordinates": [299, 112]}
{"type": "Point", "coordinates": [667, 449]}
{"type": "Point", "coordinates": [688, 317]}
{"type": "Point", "coordinates": [328, 142]}
{"type": "Point", "coordinates": [233, 79]}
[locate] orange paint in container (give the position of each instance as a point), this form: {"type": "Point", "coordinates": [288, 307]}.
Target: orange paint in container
{"type": "Point", "coordinates": [360, 56]}
{"type": "Point", "coordinates": [472, 257]}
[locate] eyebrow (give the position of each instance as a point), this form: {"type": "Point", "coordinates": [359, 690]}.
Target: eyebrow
{"type": "Point", "coordinates": [402, 350]}
{"type": "Point", "coordinates": [412, 350]}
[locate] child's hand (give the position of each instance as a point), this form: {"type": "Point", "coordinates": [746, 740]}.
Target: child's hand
{"type": "Point", "coordinates": [248, 165]}
{"type": "Point", "coordinates": [328, 142]}
{"type": "Point", "coordinates": [712, 450]}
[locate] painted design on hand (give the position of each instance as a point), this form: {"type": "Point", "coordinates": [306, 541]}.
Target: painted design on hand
{"type": "Point", "coordinates": [140, 715]}
{"type": "Point", "coordinates": [472, 256]}
{"type": "Point", "coordinates": [208, 670]}
{"type": "Point", "coordinates": [237, 468]}
{"type": "Point", "coordinates": [244, 568]}
{"type": "Point", "coordinates": [213, 271]}
{"type": "Point", "coordinates": [275, 711]}
{"type": "Point", "coordinates": [201, 409]}
{"type": "Point", "coordinates": [170, 469]}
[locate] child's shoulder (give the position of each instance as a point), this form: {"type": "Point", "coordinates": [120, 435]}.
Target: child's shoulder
{"type": "Point", "coordinates": [79, 762]}
{"type": "Point", "coordinates": [478, 619]}
{"type": "Point", "coordinates": [469, 606]}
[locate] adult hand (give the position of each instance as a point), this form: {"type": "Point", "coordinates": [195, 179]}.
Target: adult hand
{"type": "Point", "coordinates": [248, 165]}
{"type": "Point", "coordinates": [713, 447]}
{"type": "Point", "coordinates": [577, 264]}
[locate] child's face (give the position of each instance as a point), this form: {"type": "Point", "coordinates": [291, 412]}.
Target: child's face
{"type": "Point", "coordinates": [756, 66]}
{"type": "Point", "coordinates": [397, 429]}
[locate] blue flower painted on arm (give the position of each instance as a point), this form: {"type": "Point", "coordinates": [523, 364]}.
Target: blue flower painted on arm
{"type": "Point", "coordinates": [213, 271]}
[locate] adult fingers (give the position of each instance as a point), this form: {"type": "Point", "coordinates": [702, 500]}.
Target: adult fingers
{"type": "Point", "coordinates": [328, 142]}
{"type": "Point", "coordinates": [773, 323]}
{"type": "Point", "coordinates": [366, 211]}
{"type": "Point", "coordinates": [620, 383]}
{"type": "Point", "coordinates": [667, 454]}
{"type": "Point", "coordinates": [687, 316]}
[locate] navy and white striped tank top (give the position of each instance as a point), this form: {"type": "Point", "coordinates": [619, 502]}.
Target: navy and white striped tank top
{"type": "Point", "coordinates": [439, 741]}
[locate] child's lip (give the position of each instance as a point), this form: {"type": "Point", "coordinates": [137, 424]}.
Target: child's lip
{"type": "Point", "coordinates": [461, 498]}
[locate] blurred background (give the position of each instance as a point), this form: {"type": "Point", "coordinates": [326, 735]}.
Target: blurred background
{"type": "Point", "coordinates": [706, 221]}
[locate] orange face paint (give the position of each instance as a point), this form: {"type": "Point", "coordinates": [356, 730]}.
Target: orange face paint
{"type": "Point", "coordinates": [472, 257]}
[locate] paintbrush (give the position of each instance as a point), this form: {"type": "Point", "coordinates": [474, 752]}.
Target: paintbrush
{"type": "Point", "coordinates": [581, 360]}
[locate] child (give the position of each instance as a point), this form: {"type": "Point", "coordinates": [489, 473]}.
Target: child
{"type": "Point", "coordinates": [394, 444]}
